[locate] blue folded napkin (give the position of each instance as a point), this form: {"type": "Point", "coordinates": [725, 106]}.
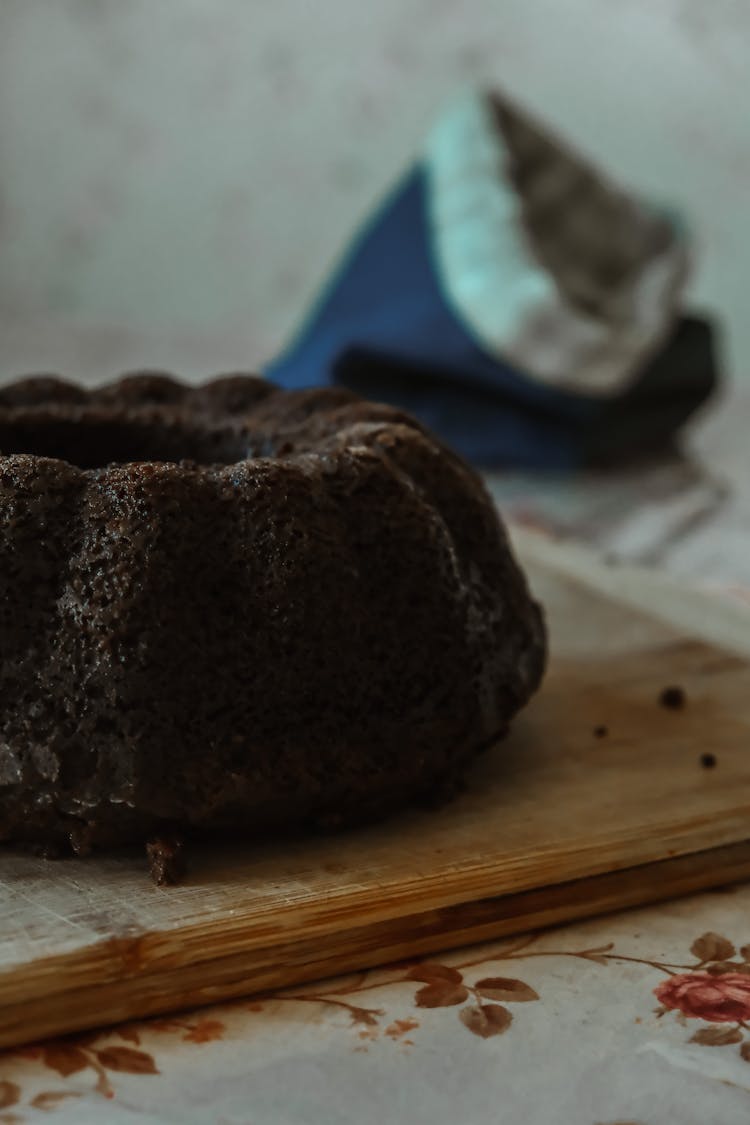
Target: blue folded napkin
{"type": "Point", "coordinates": [516, 301]}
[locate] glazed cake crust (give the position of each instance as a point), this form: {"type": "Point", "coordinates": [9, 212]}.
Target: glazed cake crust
{"type": "Point", "coordinates": [236, 608]}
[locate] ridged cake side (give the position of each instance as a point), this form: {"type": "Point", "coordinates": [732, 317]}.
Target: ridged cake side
{"type": "Point", "coordinates": [312, 635]}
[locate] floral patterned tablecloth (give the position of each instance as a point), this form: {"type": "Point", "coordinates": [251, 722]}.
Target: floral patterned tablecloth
{"type": "Point", "coordinates": [641, 1018]}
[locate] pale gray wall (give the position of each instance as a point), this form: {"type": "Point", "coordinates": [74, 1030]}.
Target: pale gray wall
{"type": "Point", "coordinates": [177, 175]}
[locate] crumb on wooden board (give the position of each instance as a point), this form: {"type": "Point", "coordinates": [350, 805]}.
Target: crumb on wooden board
{"type": "Point", "coordinates": [673, 697]}
{"type": "Point", "coordinates": [166, 859]}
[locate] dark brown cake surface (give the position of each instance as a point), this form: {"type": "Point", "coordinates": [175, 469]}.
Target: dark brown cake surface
{"type": "Point", "coordinates": [237, 608]}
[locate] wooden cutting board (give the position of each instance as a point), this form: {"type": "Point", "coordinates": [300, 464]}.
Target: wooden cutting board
{"type": "Point", "coordinates": [556, 824]}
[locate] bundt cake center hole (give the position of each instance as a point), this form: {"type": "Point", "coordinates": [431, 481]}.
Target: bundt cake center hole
{"type": "Point", "coordinates": [93, 443]}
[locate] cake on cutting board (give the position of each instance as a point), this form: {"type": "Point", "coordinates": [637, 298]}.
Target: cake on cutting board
{"type": "Point", "coordinates": [232, 608]}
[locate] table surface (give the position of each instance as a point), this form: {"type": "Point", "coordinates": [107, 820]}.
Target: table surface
{"type": "Point", "coordinates": [640, 1018]}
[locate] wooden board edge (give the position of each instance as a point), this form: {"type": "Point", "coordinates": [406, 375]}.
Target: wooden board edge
{"type": "Point", "coordinates": [74, 1004]}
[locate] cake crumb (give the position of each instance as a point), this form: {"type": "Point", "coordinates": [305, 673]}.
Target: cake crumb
{"type": "Point", "coordinates": [166, 859]}
{"type": "Point", "coordinates": [708, 761]}
{"type": "Point", "coordinates": [673, 697]}
{"type": "Point", "coordinates": [601, 731]}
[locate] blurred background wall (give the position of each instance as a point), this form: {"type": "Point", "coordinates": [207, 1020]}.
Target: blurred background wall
{"type": "Point", "coordinates": [176, 176]}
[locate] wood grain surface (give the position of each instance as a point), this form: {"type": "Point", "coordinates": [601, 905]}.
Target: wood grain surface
{"type": "Point", "coordinates": [555, 824]}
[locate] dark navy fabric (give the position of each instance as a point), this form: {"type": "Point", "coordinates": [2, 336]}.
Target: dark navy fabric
{"type": "Point", "coordinates": [384, 328]}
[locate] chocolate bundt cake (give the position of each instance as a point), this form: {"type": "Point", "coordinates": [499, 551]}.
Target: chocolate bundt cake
{"type": "Point", "coordinates": [235, 608]}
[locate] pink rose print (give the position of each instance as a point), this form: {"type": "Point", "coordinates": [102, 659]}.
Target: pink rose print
{"type": "Point", "coordinates": [718, 998]}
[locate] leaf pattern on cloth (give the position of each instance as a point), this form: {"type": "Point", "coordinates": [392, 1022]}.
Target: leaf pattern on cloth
{"type": "Point", "coordinates": [126, 1060]}
{"type": "Point", "coordinates": [74, 1056]}
{"type": "Point", "coordinates": [442, 994]}
{"type": "Point", "coordinates": [445, 986]}
{"type": "Point", "coordinates": [505, 988]}
{"type": "Point", "coordinates": [712, 947]}
{"type": "Point", "coordinates": [65, 1058]}
{"type": "Point", "coordinates": [717, 1036]}
{"type": "Point", "coordinates": [10, 1092]}
{"type": "Point", "coordinates": [486, 1020]}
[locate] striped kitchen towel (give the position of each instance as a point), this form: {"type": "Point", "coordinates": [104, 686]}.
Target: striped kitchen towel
{"type": "Point", "coordinates": [512, 297]}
